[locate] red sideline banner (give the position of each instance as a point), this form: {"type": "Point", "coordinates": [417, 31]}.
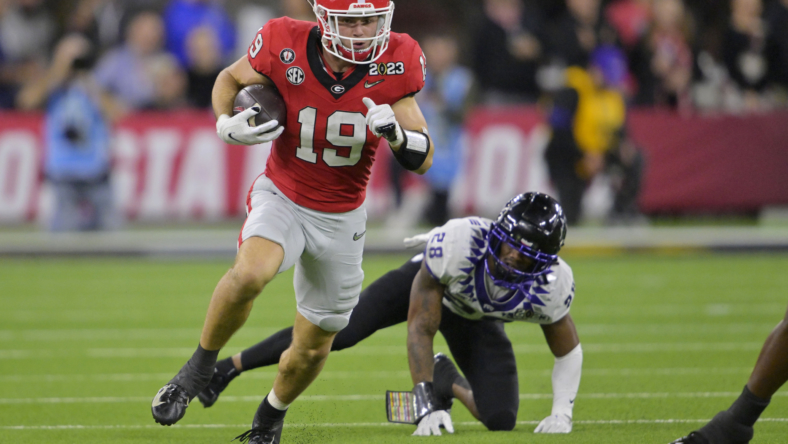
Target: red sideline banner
{"type": "Point", "coordinates": [20, 167]}
{"type": "Point", "coordinates": [504, 157]}
{"type": "Point", "coordinates": [172, 166]}
{"type": "Point", "coordinates": [165, 166]}
{"type": "Point", "coordinates": [712, 164]}
{"type": "Point", "coordinates": [694, 164]}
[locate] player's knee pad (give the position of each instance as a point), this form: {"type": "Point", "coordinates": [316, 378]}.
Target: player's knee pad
{"type": "Point", "coordinates": [328, 321]}
{"type": "Point", "coordinates": [503, 420]}
{"type": "Point", "coordinates": [333, 322]}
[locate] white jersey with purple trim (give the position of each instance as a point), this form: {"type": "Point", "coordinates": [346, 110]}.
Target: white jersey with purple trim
{"type": "Point", "coordinates": [454, 254]}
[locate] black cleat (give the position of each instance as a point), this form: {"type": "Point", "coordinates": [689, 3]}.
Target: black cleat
{"type": "Point", "coordinates": [444, 375]}
{"type": "Point", "coordinates": [219, 381]}
{"type": "Point", "coordinates": [262, 434]}
{"type": "Point", "coordinates": [169, 405]}
{"type": "Point", "coordinates": [722, 429]}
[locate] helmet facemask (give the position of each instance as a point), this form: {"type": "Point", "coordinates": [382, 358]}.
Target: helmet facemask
{"type": "Point", "coordinates": [328, 19]}
{"type": "Point", "coordinates": [507, 276]}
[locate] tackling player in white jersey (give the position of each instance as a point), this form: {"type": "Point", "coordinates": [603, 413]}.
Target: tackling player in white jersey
{"type": "Point", "coordinates": [473, 276]}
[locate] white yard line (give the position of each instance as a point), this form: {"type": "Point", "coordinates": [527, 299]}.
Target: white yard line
{"type": "Point", "coordinates": [352, 424]}
{"type": "Point", "coordinates": [660, 371]}
{"type": "Point", "coordinates": [588, 329]}
{"type": "Point", "coordinates": [667, 347]}
{"type": "Point", "coordinates": [660, 330]}
{"type": "Point", "coordinates": [137, 377]}
{"type": "Point", "coordinates": [119, 334]}
{"type": "Point", "coordinates": [332, 374]}
{"type": "Point", "coordinates": [375, 397]}
{"type": "Point", "coordinates": [386, 350]}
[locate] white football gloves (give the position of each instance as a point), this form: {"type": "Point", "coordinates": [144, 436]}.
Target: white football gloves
{"type": "Point", "coordinates": [382, 122]}
{"type": "Point", "coordinates": [555, 424]}
{"type": "Point", "coordinates": [431, 424]}
{"type": "Point", "coordinates": [236, 130]}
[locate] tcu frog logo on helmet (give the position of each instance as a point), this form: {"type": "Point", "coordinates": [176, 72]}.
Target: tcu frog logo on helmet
{"type": "Point", "coordinates": [326, 148]}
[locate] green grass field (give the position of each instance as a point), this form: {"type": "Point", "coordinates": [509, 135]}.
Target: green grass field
{"type": "Point", "coordinates": [668, 341]}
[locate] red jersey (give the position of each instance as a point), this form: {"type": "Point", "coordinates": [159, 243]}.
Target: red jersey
{"type": "Point", "coordinates": [323, 158]}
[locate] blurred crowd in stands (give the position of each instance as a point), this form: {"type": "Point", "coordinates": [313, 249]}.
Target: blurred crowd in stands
{"type": "Point", "coordinates": [709, 55]}
{"type": "Point", "coordinates": [729, 55]}
{"type": "Point", "coordinates": [584, 62]}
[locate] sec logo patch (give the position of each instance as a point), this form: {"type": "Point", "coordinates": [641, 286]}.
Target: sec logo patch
{"type": "Point", "coordinates": [295, 75]}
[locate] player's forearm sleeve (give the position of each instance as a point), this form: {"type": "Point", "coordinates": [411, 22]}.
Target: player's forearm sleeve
{"type": "Point", "coordinates": [413, 151]}
{"type": "Point", "coordinates": [566, 381]}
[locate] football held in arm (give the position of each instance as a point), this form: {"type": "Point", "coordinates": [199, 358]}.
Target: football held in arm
{"type": "Point", "coordinates": [303, 87]}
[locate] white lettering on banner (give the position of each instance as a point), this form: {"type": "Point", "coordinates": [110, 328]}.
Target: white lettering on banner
{"type": "Point", "coordinates": [538, 179]}
{"type": "Point", "coordinates": [202, 185]}
{"type": "Point", "coordinates": [126, 155]}
{"type": "Point", "coordinates": [161, 149]}
{"type": "Point", "coordinates": [499, 167]}
{"type": "Point", "coordinates": [254, 165]}
{"type": "Point", "coordinates": [504, 160]}
{"type": "Point", "coordinates": [18, 174]}
{"type": "Point", "coordinates": [45, 206]}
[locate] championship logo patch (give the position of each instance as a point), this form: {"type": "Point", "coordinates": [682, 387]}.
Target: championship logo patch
{"type": "Point", "coordinates": [386, 69]}
{"type": "Point", "coordinates": [337, 89]}
{"type": "Point", "coordinates": [295, 75]}
{"type": "Point", "coordinates": [287, 56]}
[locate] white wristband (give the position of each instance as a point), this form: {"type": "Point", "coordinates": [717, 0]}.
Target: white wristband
{"type": "Point", "coordinates": [220, 123]}
{"type": "Point", "coordinates": [566, 381]}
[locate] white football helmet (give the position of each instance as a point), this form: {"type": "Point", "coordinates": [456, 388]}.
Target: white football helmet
{"type": "Point", "coordinates": [328, 13]}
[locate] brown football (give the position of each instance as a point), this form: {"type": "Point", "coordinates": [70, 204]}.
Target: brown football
{"type": "Point", "coordinates": [267, 98]}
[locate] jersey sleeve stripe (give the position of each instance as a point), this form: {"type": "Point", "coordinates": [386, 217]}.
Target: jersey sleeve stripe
{"type": "Point", "coordinates": [427, 266]}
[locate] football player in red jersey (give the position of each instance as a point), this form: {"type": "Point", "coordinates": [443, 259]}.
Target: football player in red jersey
{"type": "Point", "coordinates": [347, 81]}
